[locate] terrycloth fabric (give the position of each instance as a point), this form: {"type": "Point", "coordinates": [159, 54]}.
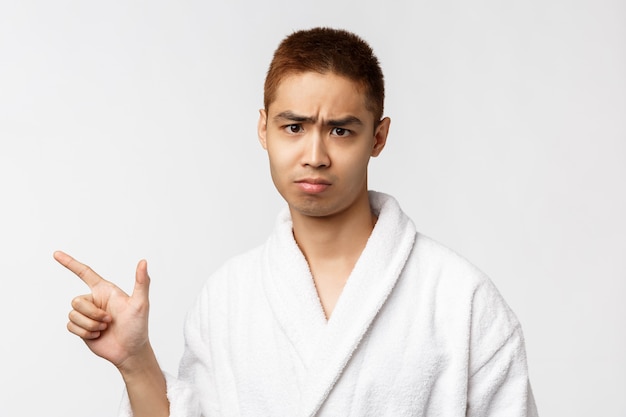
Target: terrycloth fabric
{"type": "Point", "coordinates": [417, 331]}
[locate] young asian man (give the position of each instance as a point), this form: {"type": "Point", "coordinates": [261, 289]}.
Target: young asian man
{"type": "Point", "coordinates": [346, 310]}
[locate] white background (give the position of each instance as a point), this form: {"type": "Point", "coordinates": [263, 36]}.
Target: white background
{"type": "Point", "coordinates": [128, 131]}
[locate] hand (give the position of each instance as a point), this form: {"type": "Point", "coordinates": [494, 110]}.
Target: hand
{"type": "Point", "coordinates": [112, 324]}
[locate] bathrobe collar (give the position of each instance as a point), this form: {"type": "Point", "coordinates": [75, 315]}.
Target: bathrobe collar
{"type": "Point", "coordinates": [324, 347]}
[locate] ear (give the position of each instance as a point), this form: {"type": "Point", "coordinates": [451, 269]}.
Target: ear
{"type": "Point", "coordinates": [380, 136]}
{"type": "Point", "coordinates": [262, 128]}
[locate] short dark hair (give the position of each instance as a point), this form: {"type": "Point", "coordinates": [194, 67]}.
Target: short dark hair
{"type": "Point", "coordinates": [325, 50]}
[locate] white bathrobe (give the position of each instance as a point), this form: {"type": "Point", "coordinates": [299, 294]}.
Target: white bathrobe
{"type": "Point", "coordinates": [417, 331]}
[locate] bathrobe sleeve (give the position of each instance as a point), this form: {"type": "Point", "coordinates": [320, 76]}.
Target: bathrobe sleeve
{"type": "Point", "coordinates": [498, 375]}
{"type": "Point", "coordinates": [183, 401]}
{"type": "Point", "coordinates": [208, 331]}
{"type": "Point", "coordinates": [194, 371]}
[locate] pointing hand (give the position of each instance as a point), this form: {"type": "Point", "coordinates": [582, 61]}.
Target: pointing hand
{"type": "Point", "coordinates": [112, 324]}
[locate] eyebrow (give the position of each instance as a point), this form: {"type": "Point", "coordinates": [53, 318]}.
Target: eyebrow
{"type": "Point", "coordinates": [291, 116]}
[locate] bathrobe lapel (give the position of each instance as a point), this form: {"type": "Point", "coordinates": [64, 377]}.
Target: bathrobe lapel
{"type": "Point", "coordinates": [325, 347]}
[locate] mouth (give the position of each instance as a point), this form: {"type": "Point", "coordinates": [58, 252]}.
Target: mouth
{"type": "Point", "coordinates": [313, 185]}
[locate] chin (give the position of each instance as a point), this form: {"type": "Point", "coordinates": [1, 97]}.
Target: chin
{"type": "Point", "coordinates": [312, 207]}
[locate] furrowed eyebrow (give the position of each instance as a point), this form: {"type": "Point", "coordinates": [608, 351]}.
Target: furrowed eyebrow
{"type": "Point", "coordinates": [346, 121]}
{"type": "Point", "coordinates": [291, 116]}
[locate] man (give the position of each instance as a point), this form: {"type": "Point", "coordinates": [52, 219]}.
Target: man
{"type": "Point", "coordinates": [346, 309]}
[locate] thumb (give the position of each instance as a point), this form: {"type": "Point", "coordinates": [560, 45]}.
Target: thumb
{"type": "Point", "coordinates": [142, 281]}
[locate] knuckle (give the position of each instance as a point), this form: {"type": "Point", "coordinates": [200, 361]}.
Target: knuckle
{"type": "Point", "coordinates": [82, 303]}
{"type": "Point", "coordinates": [75, 329]}
{"type": "Point", "coordinates": [89, 335]}
{"type": "Point", "coordinates": [81, 332]}
{"type": "Point", "coordinates": [85, 270]}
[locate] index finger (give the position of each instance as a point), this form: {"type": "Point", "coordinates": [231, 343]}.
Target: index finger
{"type": "Point", "coordinates": [81, 270]}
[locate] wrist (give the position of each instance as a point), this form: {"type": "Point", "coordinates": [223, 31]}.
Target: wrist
{"type": "Point", "coordinates": [140, 364]}
{"type": "Point", "coordinates": [145, 384]}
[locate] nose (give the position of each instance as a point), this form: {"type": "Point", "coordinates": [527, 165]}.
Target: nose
{"type": "Point", "coordinates": [315, 153]}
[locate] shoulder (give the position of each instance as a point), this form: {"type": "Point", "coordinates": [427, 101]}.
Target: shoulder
{"type": "Point", "coordinates": [242, 267]}
{"type": "Point", "coordinates": [463, 286]}
{"type": "Point", "coordinates": [239, 272]}
{"type": "Point", "coordinates": [439, 262]}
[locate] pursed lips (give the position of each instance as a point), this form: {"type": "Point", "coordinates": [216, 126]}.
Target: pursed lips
{"type": "Point", "coordinates": [313, 185]}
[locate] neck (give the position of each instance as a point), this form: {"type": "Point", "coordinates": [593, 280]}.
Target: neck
{"type": "Point", "coordinates": [340, 236]}
{"type": "Point", "coordinates": [332, 245]}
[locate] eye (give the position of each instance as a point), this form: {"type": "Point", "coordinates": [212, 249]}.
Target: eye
{"type": "Point", "coordinates": [293, 128]}
{"type": "Point", "coordinates": [340, 131]}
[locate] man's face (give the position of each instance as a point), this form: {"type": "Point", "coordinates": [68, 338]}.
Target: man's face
{"type": "Point", "coordinates": [319, 136]}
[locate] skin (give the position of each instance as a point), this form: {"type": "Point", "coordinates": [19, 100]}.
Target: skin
{"type": "Point", "coordinates": [114, 326]}
{"type": "Point", "coordinates": [320, 136]}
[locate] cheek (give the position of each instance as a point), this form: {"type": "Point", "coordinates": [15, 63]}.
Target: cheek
{"type": "Point", "coordinates": [279, 161]}
{"type": "Point", "coordinates": [354, 164]}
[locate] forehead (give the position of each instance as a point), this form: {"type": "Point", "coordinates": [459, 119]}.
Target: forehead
{"type": "Point", "coordinates": [313, 93]}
